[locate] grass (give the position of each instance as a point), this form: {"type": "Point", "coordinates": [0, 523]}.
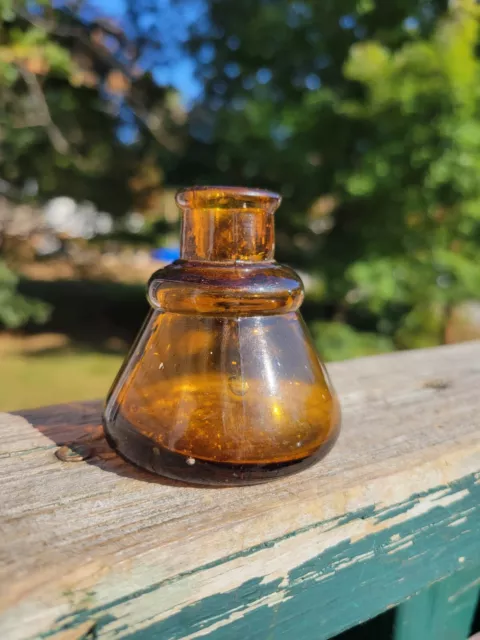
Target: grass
{"type": "Point", "coordinates": [29, 380]}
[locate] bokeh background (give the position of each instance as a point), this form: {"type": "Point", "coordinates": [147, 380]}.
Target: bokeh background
{"type": "Point", "coordinates": [363, 114]}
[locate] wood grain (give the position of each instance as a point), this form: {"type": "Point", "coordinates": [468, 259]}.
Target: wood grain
{"type": "Point", "coordinates": [99, 545]}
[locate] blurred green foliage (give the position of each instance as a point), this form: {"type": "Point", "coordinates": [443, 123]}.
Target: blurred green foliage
{"type": "Point", "coordinates": [364, 115]}
{"type": "Point", "coordinates": [15, 308]}
{"type": "Point", "coordinates": [63, 100]}
{"type": "Point", "coordinates": [339, 341]}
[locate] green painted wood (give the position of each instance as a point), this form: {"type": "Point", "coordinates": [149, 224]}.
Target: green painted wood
{"type": "Point", "coordinates": [444, 611]}
{"type": "Point", "coordinates": [343, 586]}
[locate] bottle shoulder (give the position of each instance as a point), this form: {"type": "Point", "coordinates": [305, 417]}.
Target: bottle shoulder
{"type": "Point", "coordinates": [241, 287]}
{"type": "Point", "coordinates": [227, 274]}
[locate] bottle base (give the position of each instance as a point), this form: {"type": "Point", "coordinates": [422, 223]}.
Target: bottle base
{"type": "Point", "coordinates": [144, 452]}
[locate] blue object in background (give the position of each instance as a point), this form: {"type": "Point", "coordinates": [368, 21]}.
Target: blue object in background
{"type": "Point", "coordinates": [166, 254]}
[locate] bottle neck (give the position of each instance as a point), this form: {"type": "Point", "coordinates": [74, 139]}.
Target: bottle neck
{"type": "Point", "coordinates": [227, 235]}
{"type": "Point", "coordinates": [227, 224]}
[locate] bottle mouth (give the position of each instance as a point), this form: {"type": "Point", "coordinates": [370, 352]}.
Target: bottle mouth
{"type": "Point", "coordinates": [239, 198]}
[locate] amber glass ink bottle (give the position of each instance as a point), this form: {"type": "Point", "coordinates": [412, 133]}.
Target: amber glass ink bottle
{"type": "Point", "coordinates": [223, 384]}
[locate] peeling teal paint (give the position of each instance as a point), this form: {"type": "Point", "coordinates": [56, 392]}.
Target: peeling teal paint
{"type": "Point", "coordinates": [212, 610]}
{"type": "Point", "coordinates": [317, 605]}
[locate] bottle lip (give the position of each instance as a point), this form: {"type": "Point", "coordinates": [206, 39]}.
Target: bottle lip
{"type": "Point", "coordinates": [218, 197]}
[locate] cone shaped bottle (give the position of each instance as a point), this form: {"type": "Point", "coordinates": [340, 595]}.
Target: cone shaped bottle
{"type": "Point", "coordinates": [223, 384]}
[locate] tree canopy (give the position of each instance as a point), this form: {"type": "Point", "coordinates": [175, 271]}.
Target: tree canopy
{"type": "Point", "coordinates": [364, 115]}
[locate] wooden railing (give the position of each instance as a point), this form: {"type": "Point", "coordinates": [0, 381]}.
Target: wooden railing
{"type": "Point", "coordinates": [94, 548]}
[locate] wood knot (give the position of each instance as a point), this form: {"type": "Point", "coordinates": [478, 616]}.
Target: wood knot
{"type": "Point", "coordinates": [436, 383]}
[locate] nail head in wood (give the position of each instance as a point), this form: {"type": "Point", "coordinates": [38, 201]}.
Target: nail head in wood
{"type": "Point", "coordinates": [74, 452]}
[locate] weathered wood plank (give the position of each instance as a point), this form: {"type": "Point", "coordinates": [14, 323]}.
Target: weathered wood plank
{"type": "Point", "coordinates": [393, 508]}
{"type": "Point", "coordinates": [443, 611]}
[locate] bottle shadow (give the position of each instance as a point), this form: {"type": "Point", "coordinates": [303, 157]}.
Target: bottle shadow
{"type": "Point", "coordinates": [80, 425]}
